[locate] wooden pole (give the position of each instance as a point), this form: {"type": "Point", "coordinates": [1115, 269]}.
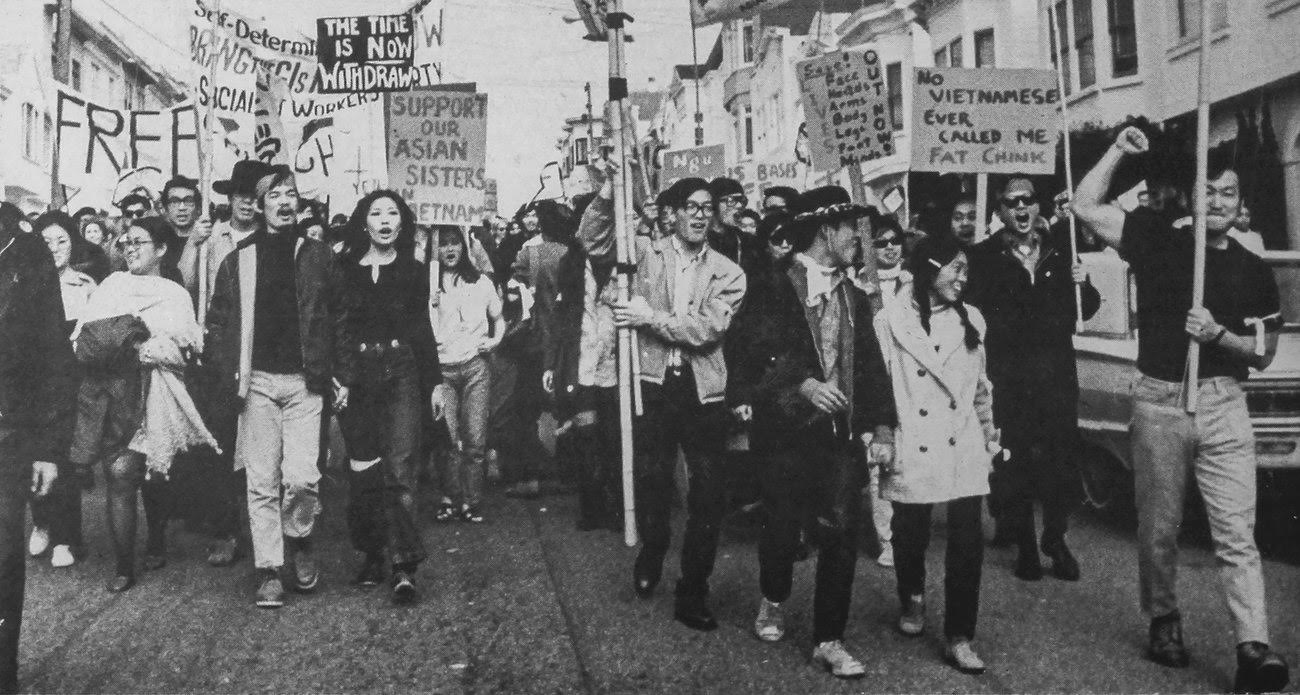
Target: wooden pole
{"type": "Point", "coordinates": [62, 69]}
{"type": "Point", "coordinates": [624, 251]}
{"type": "Point", "coordinates": [1191, 378]}
{"type": "Point", "coordinates": [869, 270]}
{"type": "Point", "coordinates": [981, 205]}
{"type": "Point", "coordinates": [203, 140]}
{"type": "Point", "coordinates": [1069, 173]}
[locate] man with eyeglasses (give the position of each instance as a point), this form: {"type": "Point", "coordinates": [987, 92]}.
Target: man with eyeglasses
{"type": "Point", "coordinates": [725, 237]}
{"type": "Point", "coordinates": [1022, 279]}
{"type": "Point", "coordinates": [183, 209]}
{"type": "Point", "coordinates": [685, 295]}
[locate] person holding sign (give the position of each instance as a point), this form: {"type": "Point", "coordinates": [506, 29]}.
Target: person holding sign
{"type": "Point", "coordinates": [1023, 279]}
{"type": "Point", "coordinates": [821, 405]}
{"type": "Point", "coordinates": [1237, 330]}
{"type": "Point", "coordinates": [684, 296]}
{"type": "Point", "coordinates": [386, 293]}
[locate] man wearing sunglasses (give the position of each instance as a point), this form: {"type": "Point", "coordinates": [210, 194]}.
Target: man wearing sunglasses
{"type": "Point", "coordinates": [725, 236]}
{"type": "Point", "coordinates": [685, 295]}
{"type": "Point", "coordinates": [1022, 279]}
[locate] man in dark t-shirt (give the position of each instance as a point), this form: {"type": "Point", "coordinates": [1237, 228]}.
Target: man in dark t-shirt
{"type": "Point", "coordinates": [1237, 330]}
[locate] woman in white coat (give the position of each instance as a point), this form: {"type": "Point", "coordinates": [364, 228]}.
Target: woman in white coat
{"type": "Point", "coordinates": [932, 345]}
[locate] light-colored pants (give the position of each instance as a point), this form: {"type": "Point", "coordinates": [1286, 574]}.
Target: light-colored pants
{"type": "Point", "coordinates": [882, 512]}
{"type": "Point", "coordinates": [468, 383]}
{"type": "Point", "coordinates": [279, 441]}
{"type": "Point", "coordinates": [1217, 447]}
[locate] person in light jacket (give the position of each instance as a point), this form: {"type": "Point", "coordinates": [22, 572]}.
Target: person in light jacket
{"type": "Point", "coordinates": [933, 348]}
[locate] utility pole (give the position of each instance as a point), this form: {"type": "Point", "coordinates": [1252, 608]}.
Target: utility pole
{"type": "Point", "coordinates": [62, 69]}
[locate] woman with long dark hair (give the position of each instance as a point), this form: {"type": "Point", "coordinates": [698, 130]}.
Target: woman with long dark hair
{"type": "Point", "coordinates": [468, 323]}
{"type": "Point", "coordinates": [133, 411]}
{"type": "Point", "coordinates": [933, 346]}
{"type": "Point", "coordinates": [385, 292]}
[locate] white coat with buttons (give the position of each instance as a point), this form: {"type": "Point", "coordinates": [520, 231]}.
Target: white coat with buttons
{"type": "Point", "coordinates": [945, 406]}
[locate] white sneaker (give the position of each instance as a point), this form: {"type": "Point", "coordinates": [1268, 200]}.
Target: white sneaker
{"type": "Point", "coordinates": [836, 659]}
{"type": "Point", "coordinates": [886, 558]}
{"type": "Point", "coordinates": [962, 656]}
{"type": "Point", "coordinates": [39, 542]}
{"type": "Point", "coordinates": [62, 556]}
{"type": "Point", "coordinates": [770, 623]}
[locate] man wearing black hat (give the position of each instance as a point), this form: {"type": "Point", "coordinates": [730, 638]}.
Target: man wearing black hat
{"type": "Point", "coordinates": [36, 407]}
{"type": "Point", "coordinates": [812, 372]}
{"type": "Point", "coordinates": [183, 209]}
{"type": "Point", "coordinates": [685, 295]}
{"type": "Point", "coordinates": [725, 236]}
{"type": "Point", "coordinates": [241, 190]}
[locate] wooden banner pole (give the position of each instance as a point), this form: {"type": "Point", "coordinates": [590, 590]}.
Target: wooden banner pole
{"type": "Point", "coordinates": [1191, 377]}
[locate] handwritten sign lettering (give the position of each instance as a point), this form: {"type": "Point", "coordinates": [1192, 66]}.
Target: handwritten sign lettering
{"type": "Point", "coordinates": [437, 153]}
{"type": "Point", "coordinates": [982, 120]}
{"type": "Point", "coordinates": [707, 162]}
{"type": "Point", "coordinates": [365, 54]}
{"type": "Point", "coordinates": [846, 105]}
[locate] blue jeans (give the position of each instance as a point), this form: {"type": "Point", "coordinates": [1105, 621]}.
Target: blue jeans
{"type": "Point", "coordinates": [1216, 446]}
{"type": "Point", "coordinates": [467, 413]}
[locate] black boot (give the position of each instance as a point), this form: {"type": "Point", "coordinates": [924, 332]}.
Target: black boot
{"type": "Point", "coordinates": [1064, 565]}
{"type": "Point", "coordinates": [1260, 669]}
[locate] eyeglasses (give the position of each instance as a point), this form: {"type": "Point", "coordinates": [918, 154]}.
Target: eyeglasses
{"type": "Point", "coordinates": [135, 212]}
{"type": "Point", "coordinates": [187, 200]}
{"type": "Point", "coordinates": [1016, 201]}
{"type": "Point", "coordinates": [887, 241]}
{"type": "Point", "coordinates": [769, 209]}
{"type": "Point", "coordinates": [692, 208]}
{"type": "Point", "coordinates": [133, 243]}
{"type": "Point", "coordinates": [734, 201]}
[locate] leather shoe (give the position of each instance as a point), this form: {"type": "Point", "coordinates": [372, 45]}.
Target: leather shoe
{"type": "Point", "coordinates": [1260, 669]}
{"type": "Point", "coordinates": [1064, 565]}
{"type": "Point", "coordinates": [1028, 565]}
{"type": "Point", "coordinates": [1165, 642]}
{"type": "Point", "coordinates": [646, 573]}
{"type": "Point", "coordinates": [692, 612]}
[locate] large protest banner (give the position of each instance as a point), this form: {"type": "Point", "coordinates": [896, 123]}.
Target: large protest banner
{"type": "Point", "coordinates": [846, 105]}
{"type": "Point", "coordinates": [437, 153]}
{"type": "Point", "coordinates": [374, 53]}
{"type": "Point", "coordinates": [706, 162]}
{"type": "Point", "coordinates": [985, 121]}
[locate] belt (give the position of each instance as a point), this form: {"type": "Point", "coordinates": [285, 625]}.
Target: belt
{"type": "Point", "coordinates": [379, 347]}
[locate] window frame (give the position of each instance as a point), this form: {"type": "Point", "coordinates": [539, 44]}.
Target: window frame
{"type": "Point", "coordinates": [989, 35]}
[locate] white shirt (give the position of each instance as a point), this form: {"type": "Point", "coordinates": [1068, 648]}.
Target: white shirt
{"type": "Point", "coordinates": [462, 319]}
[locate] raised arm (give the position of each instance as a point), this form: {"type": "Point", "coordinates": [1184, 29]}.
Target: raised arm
{"type": "Point", "coordinates": [1103, 218]}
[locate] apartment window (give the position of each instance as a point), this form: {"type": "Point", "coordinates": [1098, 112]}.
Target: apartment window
{"type": "Point", "coordinates": [1188, 16]}
{"type": "Point", "coordinates": [954, 53]}
{"type": "Point", "coordinates": [941, 57]}
{"type": "Point", "coordinates": [749, 131]}
{"type": "Point", "coordinates": [747, 42]}
{"type": "Point", "coordinates": [1123, 38]}
{"type": "Point", "coordinates": [76, 74]}
{"type": "Point", "coordinates": [894, 85]}
{"type": "Point", "coordinates": [985, 52]}
{"type": "Point", "coordinates": [47, 139]}
{"type": "Point", "coordinates": [31, 134]}
{"type": "Point", "coordinates": [1061, 33]}
{"type": "Point", "coordinates": [96, 79]}
{"type": "Point", "coordinates": [1084, 43]}
{"type": "Point", "coordinates": [580, 151]}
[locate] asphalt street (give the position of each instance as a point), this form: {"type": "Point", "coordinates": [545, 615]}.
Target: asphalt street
{"type": "Point", "coordinates": [524, 603]}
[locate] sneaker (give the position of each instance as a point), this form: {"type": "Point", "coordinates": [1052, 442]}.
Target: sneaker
{"type": "Point", "coordinates": [305, 573]}
{"type": "Point", "coordinates": [886, 557]}
{"type": "Point", "coordinates": [1260, 669]}
{"type": "Point", "coordinates": [833, 657]}
{"type": "Point", "coordinates": [770, 623]}
{"type": "Point", "coordinates": [372, 572]}
{"type": "Point", "coordinates": [470, 514]}
{"type": "Point", "coordinates": [223, 553]}
{"type": "Point", "coordinates": [404, 590]}
{"type": "Point", "coordinates": [912, 621]}
{"type": "Point", "coordinates": [445, 512]}
{"type": "Point", "coordinates": [962, 656]}
{"type": "Point", "coordinates": [270, 592]}
{"type": "Point", "coordinates": [39, 542]}
{"type": "Point", "coordinates": [1165, 641]}
{"type": "Point", "coordinates": [62, 556]}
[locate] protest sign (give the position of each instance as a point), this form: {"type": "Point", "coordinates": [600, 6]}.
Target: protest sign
{"type": "Point", "coordinates": [707, 162]}
{"type": "Point", "coordinates": [437, 153]}
{"type": "Point", "coordinates": [96, 142]}
{"type": "Point", "coordinates": [985, 121]}
{"type": "Point", "coordinates": [847, 108]}
{"type": "Point", "coordinates": [374, 53]}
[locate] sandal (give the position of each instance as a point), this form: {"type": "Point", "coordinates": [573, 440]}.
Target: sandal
{"type": "Point", "coordinates": [470, 514]}
{"type": "Point", "coordinates": [445, 512]}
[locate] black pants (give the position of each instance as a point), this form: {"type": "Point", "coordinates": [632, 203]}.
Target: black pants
{"type": "Point", "coordinates": [674, 416]}
{"type": "Point", "coordinates": [1039, 470]}
{"type": "Point", "coordinates": [808, 483]}
{"type": "Point", "coordinates": [382, 422]}
{"type": "Point", "coordinates": [60, 511]}
{"type": "Point", "coordinates": [962, 561]}
{"type": "Point", "coordinates": [514, 411]}
{"type": "Point", "coordinates": [14, 482]}
{"type": "Point", "coordinates": [594, 446]}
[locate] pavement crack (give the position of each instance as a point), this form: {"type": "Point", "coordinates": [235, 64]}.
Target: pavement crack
{"type": "Point", "coordinates": [570, 623]}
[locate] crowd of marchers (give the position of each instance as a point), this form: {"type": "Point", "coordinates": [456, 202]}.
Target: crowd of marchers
{"type": "Point", "coordinates": [199, 365]}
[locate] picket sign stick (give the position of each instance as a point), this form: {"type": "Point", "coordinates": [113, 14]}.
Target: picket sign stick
{"type": "Point", "coordinates": [1069, 173]}
{"type": "Point", "coordinates": [203, 131]}
{"type": "Point", "coordinates": [864, 228]}
{"type": "Point", "coordinates": [624, 255]}
{"type": "Point", "coordinates": [981, 204]}
{"type": "Point", "coordinates": [638, 400]}
{"type": "Point", "coordinates": [1191, 377]}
